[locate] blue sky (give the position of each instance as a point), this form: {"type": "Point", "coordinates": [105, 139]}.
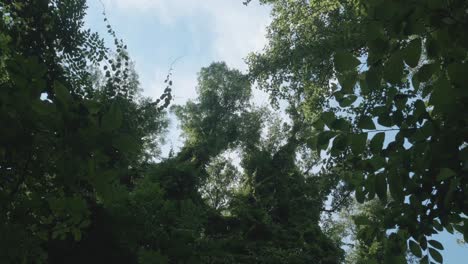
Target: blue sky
{"type": "Point", "coordinates": [199, 31]}
{"type": "Point", "coordinates": [202, 31]}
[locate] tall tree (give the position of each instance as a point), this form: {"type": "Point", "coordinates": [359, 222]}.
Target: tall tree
{"type": "Point", "coordinates": [198, 207]}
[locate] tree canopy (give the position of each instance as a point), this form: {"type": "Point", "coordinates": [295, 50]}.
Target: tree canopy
{"type": "Point", "coordinates": [372, 146]}
{"type": "Point", "coordinates": [382, 82]}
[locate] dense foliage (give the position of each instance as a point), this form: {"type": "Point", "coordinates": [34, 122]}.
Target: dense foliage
{"type": "Point", "coordinates": [375, 103]}
{"type": "Point", "coordinates": [383, 82]}
{"type": "Point", "coordinates": [80, 184]}
{"type": "Point", "coordinates": [67, 144]}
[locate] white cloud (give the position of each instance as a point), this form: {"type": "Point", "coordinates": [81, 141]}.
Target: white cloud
{"type": "Point", "coordinates": [238, 29]}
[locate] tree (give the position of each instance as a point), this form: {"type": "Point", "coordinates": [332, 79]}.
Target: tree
{"type": "Point", "coordinates": [388, 79]}
{"type": "Point", "coordinates": [67, 145]}
{"type": "Point", "coordinates": [197, 207]}
{"type": "Point", "coordinates": [378, 85]}
{"type": "Point", "coordinates": [211, 123]}
{"type": "Point", "coordinates": [164, 218]}
{"type": "Point", "coordinates": [360, 228]}
{"type": "Point", "coordinates": [221, 181]}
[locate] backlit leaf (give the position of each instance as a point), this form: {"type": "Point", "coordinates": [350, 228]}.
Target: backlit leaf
{"type": "Point", "coordinates": [436, 255]}
{"type": "Point", "coordinates": [415, 249]}
{"type": "Point", "coordinates": [358, 142]}
{"type": "Point", "coordinates": [413, 52]}
{"type": "Point", "coordinates": [345, 61]}
{"type": "Point", "coordinates": [365, 122]}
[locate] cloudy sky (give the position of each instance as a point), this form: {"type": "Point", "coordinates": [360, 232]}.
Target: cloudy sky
{"type": "Point", "coordinates": [197, 32]}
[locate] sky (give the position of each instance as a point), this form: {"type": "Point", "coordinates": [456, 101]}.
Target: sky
{"type": "Point", "coordinates": [197, 32]}
{"type": "Point", "coordinates": [191, 34]}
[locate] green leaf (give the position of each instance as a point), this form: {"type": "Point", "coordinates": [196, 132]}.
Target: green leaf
{"type": "Point", "coordinates": [92, 106]}
{"type": "Point", "coordinates": [377, 162]}
{"type": "Point", "coordinates": [432, 47]}
{"type": "Point", "coordinates": [35, 68]}
{"type": "Point", "coordinates": [363, 85]}
{"type": "Point", "coordinates": [465, 230]}
{"type": "Point", "coordinates": [361, 220]}
{"type": "Point", "coordinates": [415, 249]}
{"type": "Point", "coordinates": [319, 124]}
{"type": "Point", "coordinates": [457, 73]}
{"type": "Point", "coordinates": [385, 9]}
{"type": "Point", "coordinates": [445, 173]}
{"type": "Point", "coordinates": [436, 244]}
{"type": "Point", "coordinates": [376, 143]}
{"type": "Point", "coordinates": [422, 242]}
{"type": "Point", "coordinates": [328, 117]}
{"type": "Point", "coordinates": [419, 108]}
{"type": "Point", "coordinates": [125, 143]}
{"type": "Point", "coordinates": [345, 61]}
{"type": "Point", "coordinates": [347, 81]}
{"type": "Point", "coordinates": [395, 184]}
{"type": "Point", "coordinates": [381, 187]}
{"type": "Point", "coordinates": [454, 183]}
{"type": "Point", "coordinates": [426, 72]}
{"type": "Point", "coordinates": [340, 143]}
{"type": "Point", "coordinates": [373, 79]}
{"type": "Point", "coordinates": [360, 195]}
{"type": "Point", "coordinates": [43, 107]}
{"type": "Point", "coordinates": [393, 69]}
{"type": "Point", "coordinates": [347, 100]}
{"type": "Point", "coordinates": [370, 188]}
{"type": "Point", "coordinates": [112, 119]}
{"type": "Point", "coordinates": [374, 30]}
{"type": "Point", "coordinates": [340, 124]}
{"type": "Point", "coordinates": [412, 52]}
{"type": "Point", "coordinates": [416, 82]}
{"type": "Point", "coordinates": [436, 255]}
{"type": "Point", "coordinates": [437, 226]}
{"type": "Point", "coordinates": [324, 138]}
{"type": "Point", "coordinates": [358, 143]}
{"type": "Point", "coordinates": [62, 93]}
{"type": "Point", "coordinates": [365, 122]}
{"type": "Point", "coordinates": [424, 260]}
{"type": "Point", "coordinates": [443, 97]}
{"type": "Point", "coordinates": [385, 120]}
{"type": "Point", "coordinates": [449, 228]}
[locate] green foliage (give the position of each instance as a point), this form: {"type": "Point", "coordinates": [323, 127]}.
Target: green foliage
{"type": "Point", "coordinates": [84, 188]}
{"type": "Point", "coordinates": [402, 63]}
{"type": "Point", "coordinates": [415, 249]}
{"type": "Point", "coordinates": [220, 184]}
{"type": "Point", "coordinates": [378, 84]}
{"type": "Point", "coordinates": [234, 217]}
{"type": "Point", "coordinates": [345, 61]}
{"type": "Point", "coordinates": [212, 122]}
{"type": "Point", "coordinates": [69, 146]}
